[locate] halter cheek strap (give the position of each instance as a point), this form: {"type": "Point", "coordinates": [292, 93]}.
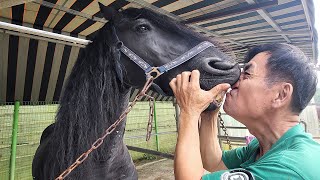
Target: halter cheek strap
{"type": "Point", "coordinates": [157, 71]}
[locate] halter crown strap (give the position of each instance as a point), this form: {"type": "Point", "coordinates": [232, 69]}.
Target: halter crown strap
{"type": "Point", "coordinates": [135, 58]}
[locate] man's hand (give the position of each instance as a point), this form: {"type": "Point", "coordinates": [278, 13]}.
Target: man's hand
{"type": "Point", "coordinates": [192, 101]}
{"type": "Point", "coordinates": [190, 97]}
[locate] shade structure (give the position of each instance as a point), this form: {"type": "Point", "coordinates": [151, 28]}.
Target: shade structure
{"type": "Point", "coordinates": [34, 68]}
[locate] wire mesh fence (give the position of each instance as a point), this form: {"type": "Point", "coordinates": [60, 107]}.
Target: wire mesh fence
{"type": "Point", "coordinates": [164, 131]}
{"type": "Point", "coordinates": [35, 117]}
{"type": "Point", "coordinates": [6, 116]}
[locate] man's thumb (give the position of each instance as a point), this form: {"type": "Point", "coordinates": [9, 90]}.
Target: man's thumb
{"type": "Point", "coordinates": [218, 89]}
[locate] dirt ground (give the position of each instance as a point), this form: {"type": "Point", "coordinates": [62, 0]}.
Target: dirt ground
{"type": "Point", "coordinates": [156, 170]}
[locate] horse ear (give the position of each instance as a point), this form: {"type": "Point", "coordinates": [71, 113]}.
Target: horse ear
{"type": "Point", "coordinates": [109, 13]}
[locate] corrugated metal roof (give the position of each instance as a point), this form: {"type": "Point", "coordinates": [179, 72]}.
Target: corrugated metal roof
{"type": "Point", "coordinates": [35, 70]}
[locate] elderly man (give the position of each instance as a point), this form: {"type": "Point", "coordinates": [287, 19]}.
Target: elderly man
{"type": "Point", "coordinates": [274, 87]}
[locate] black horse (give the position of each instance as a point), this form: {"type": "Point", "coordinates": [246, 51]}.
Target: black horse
{"type": "Point", "coordinates": [99, 86]}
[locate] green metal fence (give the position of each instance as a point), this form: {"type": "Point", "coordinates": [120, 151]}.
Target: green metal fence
{"type": "Point", "coordinates": [33, 118]}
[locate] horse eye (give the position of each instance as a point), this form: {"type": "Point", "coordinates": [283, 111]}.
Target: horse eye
{"type": "Point", "coordinates": [142, 28]}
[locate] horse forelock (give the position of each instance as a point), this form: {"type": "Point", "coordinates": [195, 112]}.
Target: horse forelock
{"type": "Point", "coordinates": [171, 25]}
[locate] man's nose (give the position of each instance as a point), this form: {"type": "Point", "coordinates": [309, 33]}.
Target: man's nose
{"type": "Point", "coordinates": [241, 76]}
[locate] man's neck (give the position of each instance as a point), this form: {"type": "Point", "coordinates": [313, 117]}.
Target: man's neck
{"type": "Point", "coordinates": [271, 130]}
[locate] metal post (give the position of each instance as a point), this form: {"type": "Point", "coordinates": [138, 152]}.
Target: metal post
{"type": "Point", "coordinates": [14, 140]}
{"type": "Point", "coordinates": [219, 134]}
{"type": "Point", "coordinates": [176, 107]}
{"type": "Point", "coordinates": [305, 125]}
{"type": "Point", "coordinates": [156, 124]}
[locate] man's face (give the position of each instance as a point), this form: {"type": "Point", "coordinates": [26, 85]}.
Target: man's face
{"type": "Point", "coordinates": [250, 98]}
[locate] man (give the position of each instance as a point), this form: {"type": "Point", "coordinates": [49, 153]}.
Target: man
{"type": "Point", "coordinates": [274, 87]}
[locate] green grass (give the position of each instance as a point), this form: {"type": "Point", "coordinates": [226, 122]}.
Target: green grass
{"type": "Point", "coordinates": [33, 119]}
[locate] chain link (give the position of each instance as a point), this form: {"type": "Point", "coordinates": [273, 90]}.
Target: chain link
{"type": "Point", "coordinates": [110, 129]}
{"type": "Point", "coordinates": [151, 115]}
{"type": "Point", "coordinates": [225, 130]}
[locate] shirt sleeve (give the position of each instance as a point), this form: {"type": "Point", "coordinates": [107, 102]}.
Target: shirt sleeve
{"type": "Point", "coordinates": [271, 170]}
{"type": "Point", "coordinates": [234, 158]}
{"type": "Point", "coordinates": [214, 175]}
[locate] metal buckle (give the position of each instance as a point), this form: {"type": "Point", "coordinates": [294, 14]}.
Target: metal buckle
{"type": "Point", "coordinates": [154, 72]}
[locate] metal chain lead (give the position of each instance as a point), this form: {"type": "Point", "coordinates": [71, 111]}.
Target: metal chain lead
{"type": "Point", "coordinates": [151, 116]}
{"type": "Point", "coordinates": [225, 130]}
{"type": "Point", "coordinates": [108, 131]}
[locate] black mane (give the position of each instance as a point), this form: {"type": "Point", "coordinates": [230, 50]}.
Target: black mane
{"type": "Point", "coordinates": [90, 103]}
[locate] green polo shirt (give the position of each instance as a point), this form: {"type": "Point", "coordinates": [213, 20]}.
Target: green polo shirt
{"type": "Point", "coordinates": [294, 156]}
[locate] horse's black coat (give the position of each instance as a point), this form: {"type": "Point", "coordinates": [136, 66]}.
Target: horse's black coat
{"type": "Point", "coordinates": [98, 87]}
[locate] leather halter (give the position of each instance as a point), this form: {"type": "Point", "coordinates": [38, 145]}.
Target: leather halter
{"type": "Point", "coordinates": [155, 72]}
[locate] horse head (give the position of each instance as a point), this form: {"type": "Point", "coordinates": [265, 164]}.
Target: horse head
{"type": "Point", "coordinates": [158, 40]}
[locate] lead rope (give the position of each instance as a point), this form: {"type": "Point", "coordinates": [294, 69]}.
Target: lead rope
{"type": "Point", "coordinates": [223, 127]}
{"type": "Point", "coordinates": [110, 129]}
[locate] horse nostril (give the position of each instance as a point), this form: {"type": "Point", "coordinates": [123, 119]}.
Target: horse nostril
{"type": "Point", "coordinates": [211, 64]}
{"type": "Point", "coordinates": [222, 65]}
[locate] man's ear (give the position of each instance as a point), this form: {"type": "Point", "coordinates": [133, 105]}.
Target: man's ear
{"type": "Point", "coordinates": [109, 13]}
{"type": "Point", "coordinates": [284, 95]}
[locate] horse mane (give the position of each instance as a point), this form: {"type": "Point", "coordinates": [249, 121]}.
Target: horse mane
{"type": "Point", "coordinates": [91, 102]}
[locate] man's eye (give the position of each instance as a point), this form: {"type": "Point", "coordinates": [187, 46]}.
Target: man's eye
{"type": "Point", "coordinates": [142, 28]}
{"type": "Point", "coordinates": [246, 75]}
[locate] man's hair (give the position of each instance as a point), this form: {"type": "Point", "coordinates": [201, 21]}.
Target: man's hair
{"type": "Point", "coordinates": [288, 63]}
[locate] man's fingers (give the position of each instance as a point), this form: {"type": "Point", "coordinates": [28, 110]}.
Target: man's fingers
{"type": "Point", "coordinates": [195, 77]}
{"type": "Point", "coordinates": [185, 76]}
{"type": "Point", "coordinates": [178, 81]}
{"type": "Point", "coordinates": [173, 85]}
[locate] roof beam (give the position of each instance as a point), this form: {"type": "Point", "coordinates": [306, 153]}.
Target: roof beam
{"type": "Point", "coordinates": [249, 8]}
{"type": "Point", "coordinates": [265, 15]}
{"type": "Point", "coordinates": [295, 33]}
{"type": "Point", "coordinates": [142, 3]}
{"type": "Point", "coordinates": [69, 11]}
{"type": "Point", "coordinates": [41, 35]}
{"type": "Point", "coordinates": [10, 3]}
